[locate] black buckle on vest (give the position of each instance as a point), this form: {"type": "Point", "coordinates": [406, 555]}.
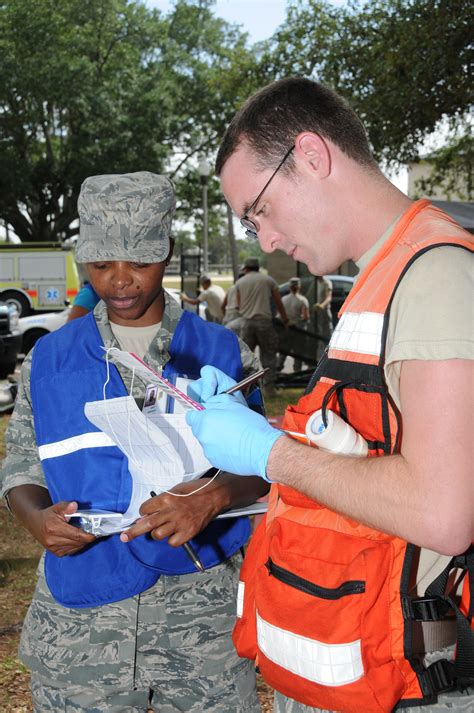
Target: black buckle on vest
{"type": "Point", "coordinates": [425, 608]}
{"type": "Point", "coordinates": [439, 676]}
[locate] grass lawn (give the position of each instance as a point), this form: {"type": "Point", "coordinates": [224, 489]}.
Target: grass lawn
{"type": "Point", "coordinates": [276, 405]}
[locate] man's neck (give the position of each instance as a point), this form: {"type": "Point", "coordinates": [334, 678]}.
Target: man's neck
{"type": "Point", "coordinates": [375, 213]}
{"type": "Point", "coordinates": [373, 206]}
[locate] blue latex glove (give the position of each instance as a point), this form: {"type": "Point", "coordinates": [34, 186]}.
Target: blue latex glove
{"type": "Point", "coordinates": [213, 381]}
{"type": "Point", "coordinates": [233, 437]}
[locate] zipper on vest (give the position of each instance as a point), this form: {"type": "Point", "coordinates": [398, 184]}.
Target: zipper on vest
{"type": "Point", "coordinates": [355, 586]}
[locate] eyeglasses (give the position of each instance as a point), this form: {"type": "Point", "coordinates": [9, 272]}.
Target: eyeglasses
{"type": "Point", "coordinates": [247, 223]}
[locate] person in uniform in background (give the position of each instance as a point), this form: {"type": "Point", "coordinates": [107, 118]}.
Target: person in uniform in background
{"type": "Point", "coordinates": [231, 312]}
{"type": "Point", "coordinates": [297, 310]}
{"type": "Point", "coordinates": [255, 293]}
{"type": "Point", "coordinates": [124, 623]}
{"type": "Point", "coordinates": [212, 295]}
{"type": "Point", "coordinates": [84, 302]}
{"type": "Point", "coordinates": [322, 313]}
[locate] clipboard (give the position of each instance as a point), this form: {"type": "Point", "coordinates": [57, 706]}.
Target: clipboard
{"type": "Point", "coordinates": [257, 508]}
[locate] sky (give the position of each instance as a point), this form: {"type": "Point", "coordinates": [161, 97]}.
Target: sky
{"type": "Point", "coordinates": [260, 18]}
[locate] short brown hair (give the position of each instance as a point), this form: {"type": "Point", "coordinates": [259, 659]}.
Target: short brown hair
{"type": "Point", "coordinates": [271, 119]}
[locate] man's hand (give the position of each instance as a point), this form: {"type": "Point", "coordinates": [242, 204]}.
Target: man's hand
{"type": "Point", "coordinates": [213, 381]}
{"type": "Point", "coordinates": [178, 518]}
{"type": "Point", "coordinates": [234, 438]}
{"type": "Point", "coordinates": [52, 529]}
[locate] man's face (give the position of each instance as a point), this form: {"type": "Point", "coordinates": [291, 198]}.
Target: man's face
{"type": "Point", "coordinates": [291, 215]}
{"type": "Point", "coordinates": [132, 291]}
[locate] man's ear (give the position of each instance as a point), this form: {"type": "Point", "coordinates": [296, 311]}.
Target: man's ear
{"type": "Point", "coordinates": [315, 153]}
{"type": "Point", "coordinates": [170, 254]}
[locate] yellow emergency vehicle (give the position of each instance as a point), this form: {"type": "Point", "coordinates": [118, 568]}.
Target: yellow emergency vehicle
{"type": "Point", "coordinates": [38, 276]}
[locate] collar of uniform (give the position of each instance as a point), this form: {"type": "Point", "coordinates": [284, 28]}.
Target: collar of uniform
{"type": "Point", "coordinates": [158, 351]}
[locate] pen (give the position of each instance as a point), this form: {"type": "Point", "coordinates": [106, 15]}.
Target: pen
{"type": "Point", "coordinates": [246, 382]}
{"type": "Point", "coordinates": [192, 554]}
{"type": "Point", "coordinates": [189, 549]}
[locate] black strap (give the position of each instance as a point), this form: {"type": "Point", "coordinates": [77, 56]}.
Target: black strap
{"type": "Point", "coordinates": [425, 608]}
{"type": "Point", "coordinates": [334, 389]}
{"type": "Point", "coordinates": [464, 661]}
{"type": "Point", "coordinates": [432, 606]}
{"type": "Point", "coordinates": [438, 677]}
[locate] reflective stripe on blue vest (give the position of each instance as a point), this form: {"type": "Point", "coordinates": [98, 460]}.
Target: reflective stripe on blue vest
{"type": "Point", "coordinates": [68, 369]}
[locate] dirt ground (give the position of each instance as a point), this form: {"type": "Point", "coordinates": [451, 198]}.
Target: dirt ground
{"type": "Point", "coordinates": [19, 555]}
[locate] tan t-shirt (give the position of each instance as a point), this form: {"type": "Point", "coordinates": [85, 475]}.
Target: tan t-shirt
{"type": "Point", "coordinates": [135, 339]}
{"type": "Point", "coordinates": [214, 296]}
{"type": "Point", "coordinates": [432, 318]}
{"type": "Point", "coordinates": [255, 294]}
{"type": "Point", "coordinates": [294, 305]}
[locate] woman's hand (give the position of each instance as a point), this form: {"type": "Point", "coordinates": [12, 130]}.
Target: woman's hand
{"type": "Point", "coordinates": [179, 518]}
{"type": "Point", "coordinates": [48, 523]}
{"type": "Point", "coordinates": [52, 529]}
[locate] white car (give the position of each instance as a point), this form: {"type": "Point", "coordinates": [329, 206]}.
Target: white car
{"type": "Point", "coordinates": [35, 326]}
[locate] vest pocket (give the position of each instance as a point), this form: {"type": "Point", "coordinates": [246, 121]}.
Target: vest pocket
{"type": "Point", "coordinates": [323, 619]}
{"type": "Point", "coordinates": [303, 585]}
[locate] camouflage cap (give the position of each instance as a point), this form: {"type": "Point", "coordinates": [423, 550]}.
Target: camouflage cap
{"type": "Point", "coordinates": [125, 217]}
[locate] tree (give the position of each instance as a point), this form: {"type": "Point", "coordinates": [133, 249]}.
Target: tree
{"type": "Point", "coordinates": [74, 98]}
{"type": "Point", "coordinates": [219, 74]}
{"type": "Point", "coordinates": [190, 211]}
{"type": "Point", "coordinates": [103, 86]}
{"type": "Point", "coordinates": [451, 168]}
{"type": "Point", "coordinates": [402, 64]}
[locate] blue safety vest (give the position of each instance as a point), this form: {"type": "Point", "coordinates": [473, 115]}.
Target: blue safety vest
{"type": "Point", "coordinates": [68, 369]}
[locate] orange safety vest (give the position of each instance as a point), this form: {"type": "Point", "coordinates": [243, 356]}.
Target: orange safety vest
{"type": "Point", "coordinates": [323, 604]}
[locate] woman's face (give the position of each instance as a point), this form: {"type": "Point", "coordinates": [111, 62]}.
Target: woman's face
{"type": "Point", "coordinates": [132, 291]}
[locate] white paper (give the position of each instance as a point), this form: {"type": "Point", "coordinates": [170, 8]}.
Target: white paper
{"type": "Point", "coordinates": [160, 448]}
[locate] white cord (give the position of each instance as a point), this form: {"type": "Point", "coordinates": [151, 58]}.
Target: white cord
{"type": "Point", "coordinates": [186, 495]}
{"type": "Point", "coordinates": [108, 372]}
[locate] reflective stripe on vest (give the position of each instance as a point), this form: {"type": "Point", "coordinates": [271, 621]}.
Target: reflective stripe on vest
{"type": "Point", "coordinates": [359, 333]}
{"type": "Point", "coordinates": [73, 444]}
{"type": "Point", "coordinates": [327, 664]}
{"type": "Point", "coordinates": [240, 598]}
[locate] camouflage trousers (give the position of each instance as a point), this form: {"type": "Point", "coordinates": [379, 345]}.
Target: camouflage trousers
{"type": "Point", "coordinates": [454, 702]}
{"type": "Point", "coordinates": [259, 331]}
{"type": "Point", "coordinates": [169, 649]}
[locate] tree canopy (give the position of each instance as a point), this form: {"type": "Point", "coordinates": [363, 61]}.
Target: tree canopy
{"type": "Point", "coordinates": [402, 64]}
{"type": "Point", "coordinates": [103, 86]}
